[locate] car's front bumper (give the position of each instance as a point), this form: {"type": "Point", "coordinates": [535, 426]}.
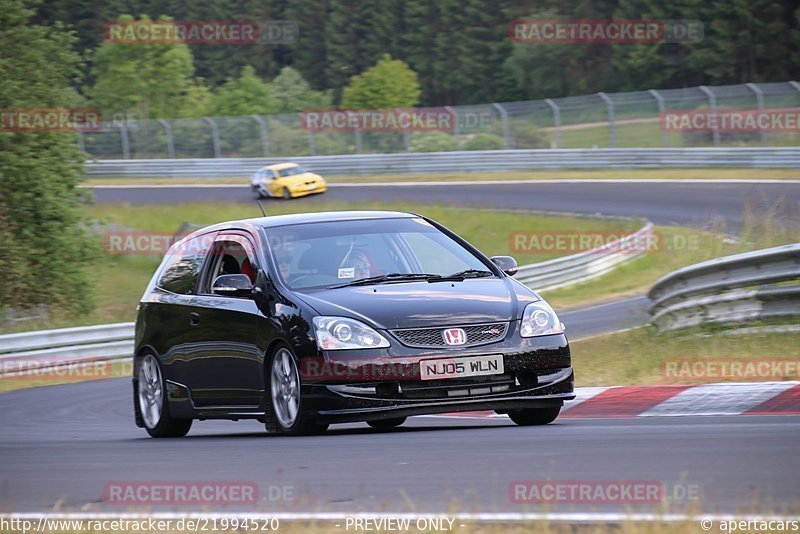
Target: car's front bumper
{"type": "Point", "coordinates": [537, 374]}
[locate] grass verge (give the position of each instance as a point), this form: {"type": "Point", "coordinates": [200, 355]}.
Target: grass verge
{"type": "Point", "coordinates": [631, 174]}
{"type": "Point", "coordinates": [76, 373]}
{"type": "Point", "coordinates": [644, 357]}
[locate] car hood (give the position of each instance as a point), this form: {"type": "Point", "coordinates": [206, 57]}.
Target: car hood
{"type": "Point", "coordinates": [417, 304]}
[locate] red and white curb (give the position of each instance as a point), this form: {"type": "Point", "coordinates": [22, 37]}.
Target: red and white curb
{"type": "Point", "coordinates": [731, 398]}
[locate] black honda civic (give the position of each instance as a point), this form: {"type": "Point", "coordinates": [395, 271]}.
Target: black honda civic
{"type": "Point", "coordinates": [304, 320]}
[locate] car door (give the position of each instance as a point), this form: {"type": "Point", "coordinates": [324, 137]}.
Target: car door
{"type": "Point", "coordinates": [273, 184]}
{"type": "Point", "coordinates": [226, 366]}
{"type": "Point", "coordinates": [171, 307]}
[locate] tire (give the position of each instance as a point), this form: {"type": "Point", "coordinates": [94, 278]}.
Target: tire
{"type": "Point", "coordinates": [152, 404]}
{"type": "Point", "coordinates": [387, 423]}
{"type": "Point", "coordinates": [538, 416]}
{"type": "Point", "coordinates": [284, 402]}
{"type": "Point", "coordinates": [287, 195]}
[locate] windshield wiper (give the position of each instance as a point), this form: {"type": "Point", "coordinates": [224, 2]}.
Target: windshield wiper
{"type": "Point", "coordinates": [385, 278]}
{"type": "Point", "coordinates": [468, 273]}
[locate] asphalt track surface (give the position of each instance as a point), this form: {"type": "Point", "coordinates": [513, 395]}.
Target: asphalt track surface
{"type": "Point", "coordinates": [63, 444]}
{"type": "Point", "coordinates": [685, 204]}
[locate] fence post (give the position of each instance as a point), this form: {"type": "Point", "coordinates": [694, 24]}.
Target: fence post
{"type": "Point", "coordinates": [170, 141]}
{"type": "Point", "coordinates": [661, 111]}
{"type": "Point", "coordinates": [123, 134]}
{"type": "Point", "coordinates": [406, 134]}
{"type": "Point", "coordinates": [760, 106]}
{"type": "Point", "coordinates": [214, 136]}
{"type": "Point", "coordinates": [262, 126]}
{"type": "Point", "coordinates": [312, 142]}
{"type": "Point", "coordinates": [712, 104]}
{"type": "Point", "coordinates": [504, 118]}
{"type": "Point", "coordinates": [612, 127]}
{"type": "Point", "coordinates": [456, 129]}
{"type": "Point", "coordinates": [81, 142]}
{"type": "Point", "coordinates": [556, 120]}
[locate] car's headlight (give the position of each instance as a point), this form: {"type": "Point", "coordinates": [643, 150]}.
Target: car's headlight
{"type": "Point", "coordinates": [339, 333]}
{"type": "Point", "coordinates": [539, 319]}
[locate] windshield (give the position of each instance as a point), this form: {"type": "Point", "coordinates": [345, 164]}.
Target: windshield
{"type": "Point", "coordinates": [334, 253]}
{"type": "Point", "coordinates": [291, 171]}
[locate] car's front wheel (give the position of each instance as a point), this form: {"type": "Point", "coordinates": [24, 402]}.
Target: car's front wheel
{"type": "Point", "coordinates": [537, 416]}
{"type": "Point", "coordinates": [286, 193]}
{"type": "Point", "coordinates": [284, 412]}
{"type": "Point", "coordinates": [153, 404]}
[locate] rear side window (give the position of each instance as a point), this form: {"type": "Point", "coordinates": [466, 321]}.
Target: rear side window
{"type": "Point", "coordinates": [183, 263]}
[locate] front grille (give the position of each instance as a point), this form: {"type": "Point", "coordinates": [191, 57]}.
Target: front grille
{"type": "Point", "coordinates": [477, 334]}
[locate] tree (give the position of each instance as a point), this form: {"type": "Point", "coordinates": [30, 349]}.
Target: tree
{"type": "Point", "coordinates": [144, 80]}
{"type": "Point", "coordinates": [45, 249]}
{"type": "Point", "coordinates": [245, 95]}
{"type": "Point", "coordinates": [293, 94]}
{"type": "Point", "coordinates": [389, 84]}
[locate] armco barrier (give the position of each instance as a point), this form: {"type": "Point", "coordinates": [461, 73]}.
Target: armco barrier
{"type": "Point", "coordinates": [461, 162]}
{"type": "Point", "coordinates": [733, 289]}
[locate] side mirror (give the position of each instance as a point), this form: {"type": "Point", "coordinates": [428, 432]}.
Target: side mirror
{"type": "Point", "coordinates": [507, 264]}
{"type": "Point", "coordinates": [232, 285]}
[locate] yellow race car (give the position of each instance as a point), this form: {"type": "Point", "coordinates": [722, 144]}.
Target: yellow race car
{"type": "Point", "coordinates": [286, 180]}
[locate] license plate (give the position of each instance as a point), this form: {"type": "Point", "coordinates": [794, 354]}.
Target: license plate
{"type": "Point", "coordinates": [439, 368]}
{"type": "Point", "coordinates": [311, 186]}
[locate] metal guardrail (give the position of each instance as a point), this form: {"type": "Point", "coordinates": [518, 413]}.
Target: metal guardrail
{"type": "Point", "coordinates": [465, 161]}
{"type": "Point", "coordinates": [585, 266]}
{"type": "Point", "coordinates": [29, 352]}
{"type": "Point", "coordinates": [45, 349]}
{"type": "Point", "coordinates": [733, 289]}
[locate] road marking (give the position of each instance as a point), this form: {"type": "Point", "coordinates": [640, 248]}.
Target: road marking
{"type": "Point", "coordinates": [719, 399]}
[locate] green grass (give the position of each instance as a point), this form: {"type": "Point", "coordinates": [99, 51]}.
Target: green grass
{"type": "Point", "coordinates": [639, 356]}
{"type": "Point", "coordinates": [629, 174]}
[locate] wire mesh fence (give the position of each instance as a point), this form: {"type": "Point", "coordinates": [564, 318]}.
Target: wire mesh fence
{"type": "Point", "coordinates": [691, 117]}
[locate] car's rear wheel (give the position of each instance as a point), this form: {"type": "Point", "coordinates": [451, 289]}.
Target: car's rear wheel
{"type": "Point", "coordinates": [537, 416]}
{"type": "Point", "coordinates": [153, 404]}
{"type": "Point", "coordinates": [285, 403]}
{"type": "Point", "coordinates": [387, 423]}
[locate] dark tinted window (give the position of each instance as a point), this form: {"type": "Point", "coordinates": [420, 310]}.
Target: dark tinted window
{"type": "Point", "coordinates": [184, 261]}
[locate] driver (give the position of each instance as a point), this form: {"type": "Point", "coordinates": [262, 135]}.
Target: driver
{"type": "Point", "coordinates": [360, 262]}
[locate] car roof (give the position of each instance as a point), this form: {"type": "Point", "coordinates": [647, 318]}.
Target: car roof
{"type": "Point", "coordinates": [325, 216]}
{"type": "Point", "coordinates": [279, 166]}
{"type": "Point", "coordinates": [274, 221]}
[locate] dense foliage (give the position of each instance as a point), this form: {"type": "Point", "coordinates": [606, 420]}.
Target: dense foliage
{"type": "Point", "coordinates": [43, 245]}
{"type": "Point", "coordinates": [461, 50]}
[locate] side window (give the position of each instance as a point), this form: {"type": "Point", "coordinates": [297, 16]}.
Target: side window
{"type": "Point", "coordinates": [183, 265]}
{"type": "Point", "coordinates": [232, 254]}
